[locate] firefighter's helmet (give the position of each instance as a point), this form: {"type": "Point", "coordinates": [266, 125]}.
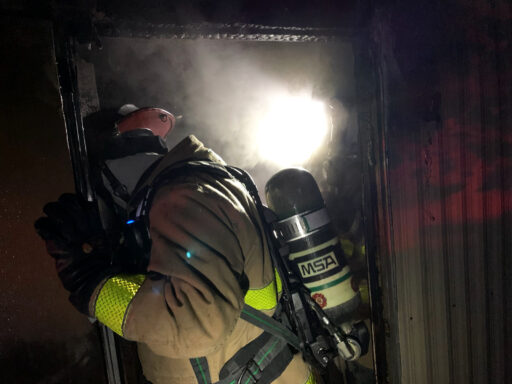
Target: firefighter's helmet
{"type": "Point", "coordinates": [157, 120]}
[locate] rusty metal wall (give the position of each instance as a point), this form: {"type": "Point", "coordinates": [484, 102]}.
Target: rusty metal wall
{"type": "Point", "coordinates": [442, 147]}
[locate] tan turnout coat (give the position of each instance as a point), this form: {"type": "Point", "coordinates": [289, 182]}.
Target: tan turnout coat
{"type": "Point", "coordinates": [194, 310]}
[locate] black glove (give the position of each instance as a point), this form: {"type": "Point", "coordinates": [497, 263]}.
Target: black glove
{"type": "Point", "coordinates": [75, 239]}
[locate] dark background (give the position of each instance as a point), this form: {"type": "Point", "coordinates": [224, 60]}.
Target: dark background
{"type": "Point", "coordinates": [42, 339]}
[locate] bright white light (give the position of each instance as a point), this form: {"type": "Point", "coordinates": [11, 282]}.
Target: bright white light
{"type": "Point", "coordinates": [292, 129]}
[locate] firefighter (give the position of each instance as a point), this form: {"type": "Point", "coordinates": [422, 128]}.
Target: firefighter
{"type": "Point", "coordinates": [181, 301]}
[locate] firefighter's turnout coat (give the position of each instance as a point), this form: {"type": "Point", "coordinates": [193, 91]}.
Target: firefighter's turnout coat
{"type": "Point", "coordinates": [208, 257]}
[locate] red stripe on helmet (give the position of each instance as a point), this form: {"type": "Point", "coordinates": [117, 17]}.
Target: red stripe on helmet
{"type": "Point", "coordinates": [158, 120]}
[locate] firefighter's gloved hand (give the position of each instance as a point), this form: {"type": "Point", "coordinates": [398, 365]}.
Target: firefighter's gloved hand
{"type": "Point", "coordinates": [74, 238]}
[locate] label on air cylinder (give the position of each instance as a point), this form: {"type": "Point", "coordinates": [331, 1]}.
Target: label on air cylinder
{"type": "Point", "coordinates": [321, 266]}
{"type": "Point", "coordinates": [323, 274]}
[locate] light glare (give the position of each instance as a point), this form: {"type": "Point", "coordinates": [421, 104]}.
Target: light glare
{"type": "Point", "coordinates": [292, 129]}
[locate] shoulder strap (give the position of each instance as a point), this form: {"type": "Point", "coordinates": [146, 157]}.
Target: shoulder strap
{"type": "Point", "coordinates": [139, 204]}
{"type": "Point", "coordinates": [259, 362]}
{"type": "Point", "coordinates": [271, 325]}
{"type": "Point", "coordinates": [144, 191]}
{"type": "Point", "coordinates": [201, 370]}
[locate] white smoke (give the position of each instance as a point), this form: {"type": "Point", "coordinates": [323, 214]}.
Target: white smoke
{"type": "Point", "coordinates": [221, 87]}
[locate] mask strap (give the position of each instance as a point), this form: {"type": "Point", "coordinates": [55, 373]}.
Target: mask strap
{"type": "Point", "coordinates": [117, 187]}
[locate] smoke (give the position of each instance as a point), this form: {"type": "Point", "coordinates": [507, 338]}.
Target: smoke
{"type": "Point", "coordinates": [221, 88]}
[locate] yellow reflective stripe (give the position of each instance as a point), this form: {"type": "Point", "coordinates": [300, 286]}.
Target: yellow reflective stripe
{"type": "Point", "coordinates": [265, 298]}
{"type": "Point", "coordinates": [114, 298]}
{"type": "Point", "coordinates": [348, 247]}
{"type": "Point", "coordinates": [278, 280]}
{"type": "Point", "coordinates": [311, 379]}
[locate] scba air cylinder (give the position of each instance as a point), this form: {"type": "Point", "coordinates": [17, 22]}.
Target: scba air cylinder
{"type": "Point", "coordinates": [315, 250]}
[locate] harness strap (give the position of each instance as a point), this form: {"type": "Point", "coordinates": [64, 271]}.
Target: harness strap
{"type": "Point", "coordinates": [243, 355]}
{"type": "Point", "coordinates": [201, 370]}
{"type": "Point", "coordinates": [270, 325]}
{"type": "Point", "coordinates": [261, 361]}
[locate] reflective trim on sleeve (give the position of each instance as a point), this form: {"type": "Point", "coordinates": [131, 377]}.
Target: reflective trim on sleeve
{"type": "Point", "coordinates": [265, 298]}
{"type": "Point", "coordinates": [114, 298]}
{"type": "Point", "coordinates": [311, 379]}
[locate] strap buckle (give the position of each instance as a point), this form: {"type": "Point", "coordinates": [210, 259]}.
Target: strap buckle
{"type": "Point", "coordinates": [250, 371]}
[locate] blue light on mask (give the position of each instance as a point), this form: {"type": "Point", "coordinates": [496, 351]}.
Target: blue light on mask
{"type": "Point", "coordinates": [189, 255]}
{"type": "Point", "coordinates": [130, 222]}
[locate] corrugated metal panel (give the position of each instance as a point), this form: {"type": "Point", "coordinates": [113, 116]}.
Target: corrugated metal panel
{"type": "Point", "coordinates": [446, 182]}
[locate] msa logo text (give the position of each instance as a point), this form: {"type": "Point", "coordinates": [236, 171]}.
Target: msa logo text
{"type": "Point", "coordinates": [319, 265]}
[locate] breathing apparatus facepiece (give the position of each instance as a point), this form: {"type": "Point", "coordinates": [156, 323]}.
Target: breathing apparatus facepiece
{"type": "Point", "coordinates": [139, 132]}
{"type": "Point", "coordinates": [133, 142]}
{"type": "Point", "coordinates": [137, 143]}
{"type": "Point", "coordinates": [315, 256]}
